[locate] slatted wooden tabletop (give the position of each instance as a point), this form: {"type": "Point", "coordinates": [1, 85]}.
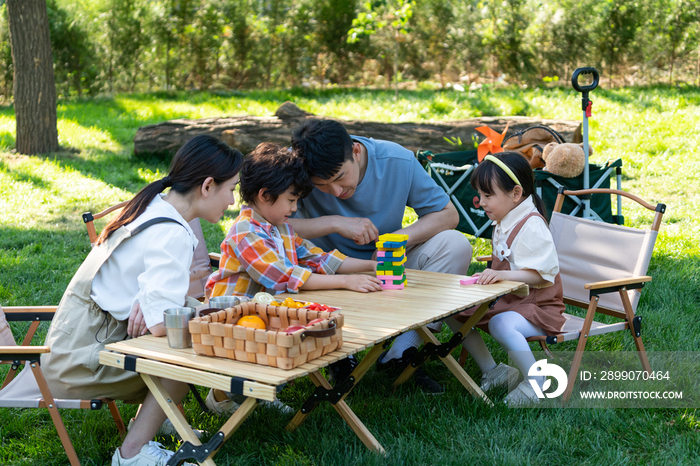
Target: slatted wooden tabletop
{"type": "Point", "coordinates": [370, 318]}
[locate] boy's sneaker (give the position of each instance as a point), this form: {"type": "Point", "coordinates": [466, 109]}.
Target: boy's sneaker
{"type": "Point", "coordinates": [502, 374]}
{"type": "Point", "coordinates": [395, 367]}
{"type": "Point", "coordinates": [522, 395]}
{"type": "Point", "coordinates": [428, 385]}
{"type": "Point", "coordinates": [228, 406]}
{"type": "Point", "coordinates": [167, 429]}
{"type": "Point", "coordinates": [277, 404]}
{"type": "Point", "coordinates": [151, 454]}
{"type": "Point", "coordinates": [341, 370]}
{"type": "Point", "coordinates": [231, 404]}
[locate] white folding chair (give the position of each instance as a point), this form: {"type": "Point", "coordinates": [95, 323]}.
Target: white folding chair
{"type": "Point", "coordinates": [29, 389]}
{"type": "Point", "coordinates": [603, 268]}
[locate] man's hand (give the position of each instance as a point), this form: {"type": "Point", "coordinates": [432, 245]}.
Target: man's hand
{"type": "Point", "coordinates": [360, 230]}
{"type": "Point", "coordinates": [137, 324]}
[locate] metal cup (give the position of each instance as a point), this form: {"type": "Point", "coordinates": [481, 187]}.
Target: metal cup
{"type": "Point", "coordinates": [177, 326]}
{"type": "Point", "coordinates": [224, 302]}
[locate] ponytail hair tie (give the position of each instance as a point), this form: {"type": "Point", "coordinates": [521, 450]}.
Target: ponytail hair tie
{"type": "Point", "coordinates": [167, 181]}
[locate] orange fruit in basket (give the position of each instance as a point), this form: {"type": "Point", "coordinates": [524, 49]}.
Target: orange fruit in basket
{"type": "Point", "coordinates": [251, 322]}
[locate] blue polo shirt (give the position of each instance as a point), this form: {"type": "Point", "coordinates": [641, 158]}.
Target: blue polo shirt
{"type": "Point", "coordinates": [393, 180]}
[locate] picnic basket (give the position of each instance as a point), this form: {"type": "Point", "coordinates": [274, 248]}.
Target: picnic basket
{"type": "Point", "coordinates": [216, 334]}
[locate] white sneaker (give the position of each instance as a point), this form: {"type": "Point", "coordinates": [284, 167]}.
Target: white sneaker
{"type": "Point", "coordinates": [151, 454]}
{"type": "Point", "coordinates": [167, 429]}
{"type": "Point", "coordinates": [502, 374]}
{"type": "Point", "coordinates": [227, 406]}
{"type": "Point", "coordinates": [522, 395]}
{"type": "Point", "coordinates": [285, 409]}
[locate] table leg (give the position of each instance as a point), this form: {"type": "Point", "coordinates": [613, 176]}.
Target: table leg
{"type": "Point", "coordinates": [455, 368]}
{"type": "Point", "coordinates": [341, 406]}
{"type": "Point", "coordinates": [449, 361]}
{"type": "Point", "coordinates": [236, 419]}
{"type": "Point", "coordinates": [165, 401]}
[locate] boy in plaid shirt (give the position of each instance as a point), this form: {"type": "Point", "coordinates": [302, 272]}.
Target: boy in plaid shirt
{"type": "Point", "coordinates": [261, 252]}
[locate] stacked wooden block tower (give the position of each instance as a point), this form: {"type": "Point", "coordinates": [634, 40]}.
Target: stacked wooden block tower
{"type": "Point", "coordinates": [391, 255]}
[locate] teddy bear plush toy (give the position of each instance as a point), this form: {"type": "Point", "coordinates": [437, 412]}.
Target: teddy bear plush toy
{"type": "Point", "coordinates": [565, 160]}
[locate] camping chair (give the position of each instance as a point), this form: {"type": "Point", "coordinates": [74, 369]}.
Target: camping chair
{"type": "Point", "coordinates": [452, 172]}
{"type": "Point", "coordinates": [548, 184]}
{"type": "Point", "coordinates": [602, 269]}
{"type": "Point", "coordinates": [29, 388]}
{"type": "Point", "coordinates": [202, 261]}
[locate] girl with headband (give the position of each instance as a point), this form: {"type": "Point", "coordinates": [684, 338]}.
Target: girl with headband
{"type": "Point", "coordinates": [138, 269]}
{"type": "Point", "coordinates": [523, 251]}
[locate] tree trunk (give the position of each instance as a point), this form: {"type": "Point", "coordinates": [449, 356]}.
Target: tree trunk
{"type": "Point", "coordinates": [246, 132]}
{"type": "Point", "coordinates": [34, 86]}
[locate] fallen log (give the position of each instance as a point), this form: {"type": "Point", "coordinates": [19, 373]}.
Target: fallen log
{"type": "Point", "coordinates": [246, 132]}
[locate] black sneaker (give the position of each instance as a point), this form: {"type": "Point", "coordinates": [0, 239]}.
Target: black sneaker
{"type": "Point", "coordinates": [427, 384]}
{"type": "Point", "coordinates": [341, 370]}
{"type": "Point", "coordinates": [395, 367]}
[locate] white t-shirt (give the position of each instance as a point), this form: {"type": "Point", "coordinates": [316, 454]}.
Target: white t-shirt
{"type": "Point", "coordinates": [152, 268]}
{"type": "Point", "coordinates": [533, 248]}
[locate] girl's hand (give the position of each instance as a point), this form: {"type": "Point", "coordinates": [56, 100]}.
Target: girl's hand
{"type": "Point", "coordinates": [489, 276]}
{"type": "Point", "coordinates": [137, 324]}
{"type": "Point", "coordinates": [362, 283]}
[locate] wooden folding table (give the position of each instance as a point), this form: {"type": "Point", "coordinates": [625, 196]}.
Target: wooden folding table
{"type": "Point", "coordinates": [371, 320]}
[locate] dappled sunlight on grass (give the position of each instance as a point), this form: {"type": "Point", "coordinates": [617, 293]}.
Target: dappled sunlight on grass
{"type": "Point", "coordinates": [36, 192]}
{"type": "Point", "coordinates": [149, 176]}
{"type": "Point", "coordinates": [7, 132]}
{"type": "Point", "coordinates": [74, 135]}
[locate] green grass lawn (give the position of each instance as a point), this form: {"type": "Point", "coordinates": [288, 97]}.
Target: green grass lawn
{"type": "Point", "coordinates": [656, 132]}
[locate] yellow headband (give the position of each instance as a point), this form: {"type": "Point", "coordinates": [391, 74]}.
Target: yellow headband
{"type": "Point", "coordinates": [505, 168]}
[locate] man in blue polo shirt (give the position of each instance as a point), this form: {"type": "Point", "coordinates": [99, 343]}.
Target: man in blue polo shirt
{"type": "Point", "coordinates": [362, 187]}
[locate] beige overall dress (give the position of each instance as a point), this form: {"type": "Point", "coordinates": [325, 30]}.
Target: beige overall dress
{"type": "Point", "coordinates": [80, 330]}
{"type": "Point", "coordinates": [543, 306]}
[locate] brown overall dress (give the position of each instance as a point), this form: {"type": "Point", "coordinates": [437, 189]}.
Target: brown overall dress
{"type": "Point", "coordinates": [80, 329]}
{"type": "Point", "coordinates": [543, 306]}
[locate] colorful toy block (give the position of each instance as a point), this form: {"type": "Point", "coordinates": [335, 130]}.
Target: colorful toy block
{"type": "Point", "coordinates": [393, 287]}
{"type": "Point", "coordinates": [390, 269]}
{"type": "Point", "coordinates": [392, 279]}
{"type": "Point", "coordinates": [390, 245]}
{"type": "Point", "coordinates": [391, 257]}
{"type": "Point", "coordinates": [393, 253]}
{"type": "Point", "coordinates": [400, 259]}
{"type": "Point", "coordinates": [393, 237]}
{"type": "Point", "coordinates": [468, 281]}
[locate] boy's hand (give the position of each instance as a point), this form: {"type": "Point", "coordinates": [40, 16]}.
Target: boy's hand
{"type": "Point", "coordinates": [489, 276]}
{"type": "Point", "coordinates": [362, 283]}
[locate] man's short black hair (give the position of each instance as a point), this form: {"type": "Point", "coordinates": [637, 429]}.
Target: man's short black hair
{"type": "Point", "coordinates": [324, 144]}
{"type": "Point", "coordinates": [273, 168]}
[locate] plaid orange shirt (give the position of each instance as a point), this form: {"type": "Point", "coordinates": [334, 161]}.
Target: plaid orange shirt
{"type": "Point", "coordinates": [250, 261]}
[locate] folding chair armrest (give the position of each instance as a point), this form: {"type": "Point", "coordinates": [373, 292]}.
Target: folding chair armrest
{"type": "Point", "coordinates": [483, 258]}
{"type": "Point", "coordinates": [617, 282]}
{"type": "Point", "coordinates": [29, 313]}
{"type": "Point", "coordinates": [28, 350]}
